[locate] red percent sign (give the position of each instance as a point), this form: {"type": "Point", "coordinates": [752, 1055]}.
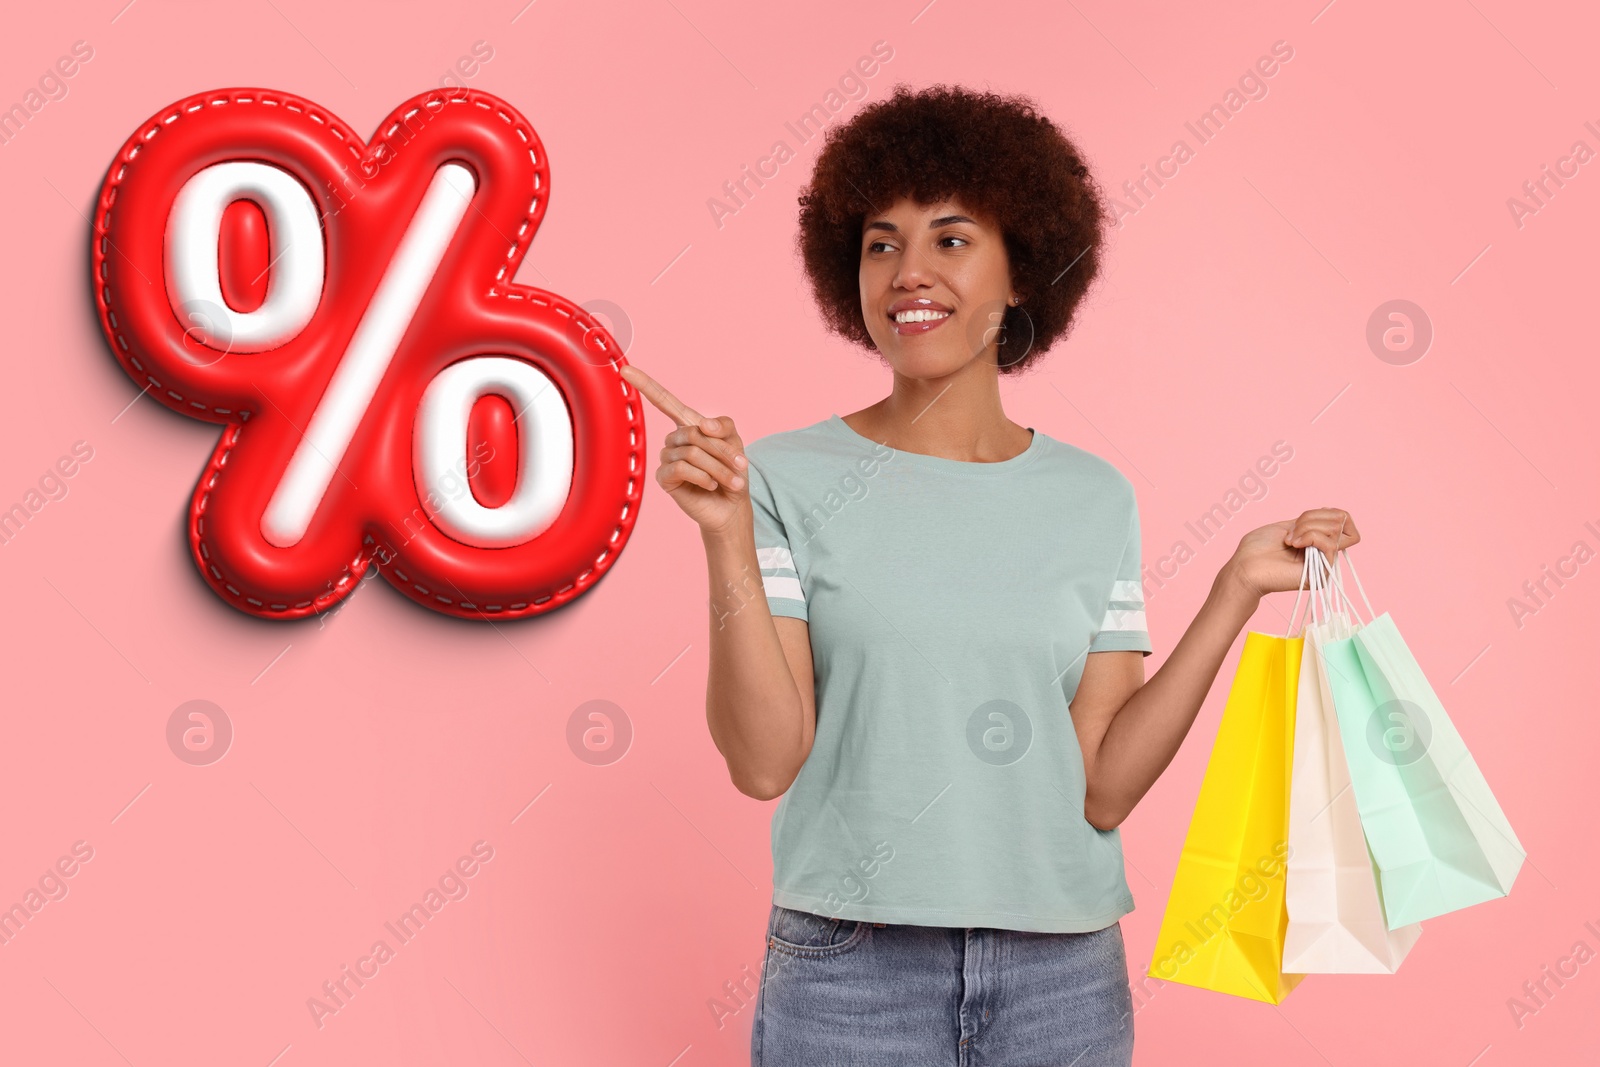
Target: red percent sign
{"type": "Point", "coordinates": [346, 311]}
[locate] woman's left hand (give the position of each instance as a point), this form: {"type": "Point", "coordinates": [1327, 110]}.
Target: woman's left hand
{"type": "Point", "coordinates": [1270, 559]}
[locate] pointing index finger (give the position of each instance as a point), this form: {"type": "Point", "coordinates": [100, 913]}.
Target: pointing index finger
{"type": "Point", "coordinates": [657, 394]}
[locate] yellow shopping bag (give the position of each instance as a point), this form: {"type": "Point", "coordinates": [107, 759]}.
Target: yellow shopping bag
{"type": "Point", "coordinates": [1225, 920]}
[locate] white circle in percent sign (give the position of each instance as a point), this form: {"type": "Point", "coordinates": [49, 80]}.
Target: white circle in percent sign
{"type": "Point", "coordinates": [294, 234]}
{"type": "Point", "coordinates": [544, 450]}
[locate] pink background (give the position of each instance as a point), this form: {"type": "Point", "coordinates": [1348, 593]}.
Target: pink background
{"type": "Point", "coordinates": [375, 747]}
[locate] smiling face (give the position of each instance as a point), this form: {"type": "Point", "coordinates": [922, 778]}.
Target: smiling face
{"type": "Point", "coordinates": [935, 281]}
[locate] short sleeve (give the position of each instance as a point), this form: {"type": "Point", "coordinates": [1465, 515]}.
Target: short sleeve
{"type": "Point", "coordinates": [1122, 628]}
{"type": "Point", "coordinates": [779, 576]}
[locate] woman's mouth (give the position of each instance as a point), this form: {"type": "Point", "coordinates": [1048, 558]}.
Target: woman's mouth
{"type": "Point", "coordinates": [918, 320]}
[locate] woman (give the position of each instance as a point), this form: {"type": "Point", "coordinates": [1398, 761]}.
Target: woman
{"type": "Point", "coordinates": [928, 631]}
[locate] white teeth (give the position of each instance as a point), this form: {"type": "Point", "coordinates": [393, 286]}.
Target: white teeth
{"type": "Point", "coordinates": [920, 315]}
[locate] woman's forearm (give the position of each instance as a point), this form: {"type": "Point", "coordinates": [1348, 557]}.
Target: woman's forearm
{"type": "Point", "coordinates": [1148, 730]}
{"type": "Point", "coordinates": [753, 707]}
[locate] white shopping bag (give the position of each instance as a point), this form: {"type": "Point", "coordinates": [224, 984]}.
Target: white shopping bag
{"type": "Point", "coordinates": [1336, 917]}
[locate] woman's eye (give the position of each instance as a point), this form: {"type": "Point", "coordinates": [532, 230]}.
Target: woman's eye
{"type": "Point", "coordinates": [884, 246]}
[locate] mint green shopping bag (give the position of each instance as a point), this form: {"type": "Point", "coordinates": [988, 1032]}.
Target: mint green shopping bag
{"type": "Point", "coordinates": [1436, 833]}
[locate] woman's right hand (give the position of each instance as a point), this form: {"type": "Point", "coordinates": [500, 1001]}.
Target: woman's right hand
{"type": "Point", "coordinates": [702, 460]}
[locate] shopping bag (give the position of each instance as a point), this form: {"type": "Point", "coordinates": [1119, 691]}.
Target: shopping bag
{"type": "Point", "coordinates": [1336, 917]}
{"type": "Point", "coordinates": [1224, 924]}
{"type": "Point", "coordinates": [1436, 832]}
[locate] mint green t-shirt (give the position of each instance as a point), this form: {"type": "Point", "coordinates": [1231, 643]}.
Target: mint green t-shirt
{"type": "Point", "coordinates": [951, 607]}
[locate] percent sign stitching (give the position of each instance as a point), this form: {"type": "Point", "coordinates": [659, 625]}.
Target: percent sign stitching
{"type": "Point", "coordinates": [351, 391]}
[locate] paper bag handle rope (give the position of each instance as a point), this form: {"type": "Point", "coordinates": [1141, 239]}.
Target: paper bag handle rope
{"type": "Point", "coordinates": [1326, 586]}
{"type": "Point", "coordinates": [1338, 582]}
{"type": "Point", "coordinates": [1305, 572]}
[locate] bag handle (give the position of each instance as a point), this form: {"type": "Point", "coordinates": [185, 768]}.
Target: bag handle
{"type": "Point", "coordinates": [1338, 581]}
{"type": "Point", "coordinates": [1305, 574]}
{"type": "Point", "coordinates": [1333, 599]}
{"type": "Point", "coordinates": [1323, 605]}
{"type": "Point", "coordinates": [1326, 588]}
{"type": "Point", "coordinates": [1313, 580]}
{"type": "Point", "coordinates": [1319, 581]}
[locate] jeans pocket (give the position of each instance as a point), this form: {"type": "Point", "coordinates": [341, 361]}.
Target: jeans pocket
{"type": "Point", "coordinates": [800, 933]}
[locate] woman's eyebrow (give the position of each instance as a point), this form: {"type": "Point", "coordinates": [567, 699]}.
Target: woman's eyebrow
{"type": "Point", "coordinates": [942, 220]}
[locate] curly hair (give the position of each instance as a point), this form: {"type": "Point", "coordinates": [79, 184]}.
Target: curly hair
{"type": "Point", "coordinates": [996, 154]}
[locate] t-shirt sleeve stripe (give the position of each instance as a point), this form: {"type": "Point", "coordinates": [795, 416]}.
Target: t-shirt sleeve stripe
{"type": "Point", "coordinates": [1124, 619]}
{"type": "Point", "coordinates": [779, 588]}
{"type": "Point", "coordinates": [1122, 589]}
{"type": "Point", "coordinates": [1123, 627]}
{"type": "Point", "coordinates": [776, 556]}
{"type": "Point", "coordinates": [780, 578]}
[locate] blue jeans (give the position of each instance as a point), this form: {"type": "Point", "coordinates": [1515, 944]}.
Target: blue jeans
{"type": "Point", "coordinates": [842, 993]}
